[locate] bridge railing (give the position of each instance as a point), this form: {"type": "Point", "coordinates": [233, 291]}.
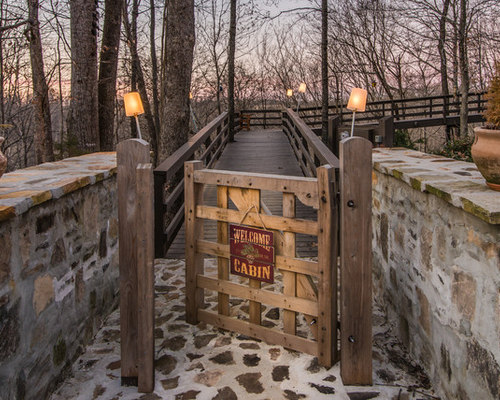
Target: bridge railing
{"type": "Point", "coordinates": [266, 118]}
{"type": "Point", "coordinates": [309, 149]}
{"type": "Point", "coordinates": [207, 145]}
{"type": "Point", "coordinates": [401, 109]}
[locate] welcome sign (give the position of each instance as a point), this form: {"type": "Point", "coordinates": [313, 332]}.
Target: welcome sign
{"type": "Point", "coordinates": [252, 253]}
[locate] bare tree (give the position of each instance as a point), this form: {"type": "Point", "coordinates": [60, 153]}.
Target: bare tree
{"type": "Point", "coordinates": [324, 69]}
{"type": "Point", "coordinates": [108, 66]}
{"type": "Point", "coordinates": [178, 61]}
{"type": "Point", "coordinates": [83, 113]}
{"type": "Point", "coordinates": [231, 55]}
{"type": "Point", "coordinates": [43, 126]}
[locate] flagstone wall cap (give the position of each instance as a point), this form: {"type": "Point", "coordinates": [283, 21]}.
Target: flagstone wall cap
{"type": "Point", "coordinates": [25, 188]}
{"type": "Point", "coordinates": [456, 182]}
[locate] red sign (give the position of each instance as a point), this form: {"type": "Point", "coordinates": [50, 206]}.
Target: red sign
{"type": "Point", "coordinates": [252, 253]}
{"type": "Point", "coordinates": [252, 269]}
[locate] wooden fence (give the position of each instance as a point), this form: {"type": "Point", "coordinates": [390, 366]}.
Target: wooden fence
{"type": "Point", "coordinates": [207, 145]}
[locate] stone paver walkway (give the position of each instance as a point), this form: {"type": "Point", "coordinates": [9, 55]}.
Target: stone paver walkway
{"type": "Point", "coordinates": [201, 362]}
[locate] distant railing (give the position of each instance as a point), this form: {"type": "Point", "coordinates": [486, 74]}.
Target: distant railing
{"type": "Point", "coordinates": [420, 108]}
{"type": "Point", "coordinates": [407, 113]}
{"type": "Point", "coordinates": [309, 149]}
{"type": "Point", "coordinates": [207, 145]}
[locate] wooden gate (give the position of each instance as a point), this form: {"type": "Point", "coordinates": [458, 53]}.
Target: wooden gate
{"type": "Point", "coordinates": [309, 287]}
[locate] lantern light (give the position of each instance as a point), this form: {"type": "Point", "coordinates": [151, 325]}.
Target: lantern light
{"type": "Point", "coordinates": [289, 92]}
{"type": "Point", "coordinates": [357, 102]}
{"type": "Point", "coordinates": [302, 87]}
{"type": "Point", "coordinates": [190, 95]}
{"type": "Point", "coordinates": [133, 108]}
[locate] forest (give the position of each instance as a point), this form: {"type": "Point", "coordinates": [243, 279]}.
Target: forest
{"type": "Point", "coordinates": [65, 65]}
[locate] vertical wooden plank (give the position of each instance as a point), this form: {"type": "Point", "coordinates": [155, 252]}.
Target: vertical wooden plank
{"type": "Point", "coordinates": [327, 262]}
{"type": "Point", "coordinates": [130, 153]}
{"type": "Point", "coordinates": [289, 278]}
{"type": "Point", "coordinates": [145, 276]}
{"type": "Point", "coordinates": [356, 261]}
{"type": "Point", "coordinates": [193, 196]}
{"type": "Point", "coordinates": [222, 238]}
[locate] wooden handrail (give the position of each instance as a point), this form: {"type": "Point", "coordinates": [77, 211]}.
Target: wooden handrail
{"type": "Point", "coordinates": [309, 149]}
{"type": "Point", "coordinates": [206, 145]}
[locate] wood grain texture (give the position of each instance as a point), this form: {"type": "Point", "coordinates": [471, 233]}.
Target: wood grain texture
{"type": "Point", "coordinates": [145, 276]}
{"type": "Point", "coordinates": [327, 260]}
{"type": "Point", "coordinates": [289, 278]}
{"type": "Point", "coordinates": [258, 220]}
{"type": "Point", "coordinates": [259, 296]}
{"type": "Point", "coordinates": [193, 195]}
{"type": "Point", "coordinates": [130, 153]}
{"type": "Point", "coordinates": [356, 261]}
{"type": "Point", "coordinates": [222, 238]}
{"type": "Point", "coordinates": [266, 334]}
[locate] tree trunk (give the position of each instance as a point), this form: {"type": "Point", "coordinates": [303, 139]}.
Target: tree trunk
{"type": "Point", "coordinates": [106, 86]}
{"type": "Point", "coordinates": [154, 72]}
{"type": "Point", "coordinates": [83, 113]}
{"type": "Point", "coordinates": [178, 62]}
{"type": "Point", "coordinates": [445, 90]}
{"type": "Point", "coordinates": [230, 68]}
{"type": "Point", "coordinates": [463, 62]}
{"type": "Point", "coordinates": [324, 70]}
{"type": "Point", "coordinates": [43, 125]}
{"type": "Point", "coordinates": [130, 31]}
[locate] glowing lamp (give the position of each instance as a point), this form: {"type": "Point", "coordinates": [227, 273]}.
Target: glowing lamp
{"type": "Point", "coordinates": [133, 108]}
{"type": "Point", "coordinates": [289, 92]}
{"type": "Point", "coordinates": [190, 96]}
{"type": "Point", "coordinates": [302, 87]}
{"type": "Point", "coordinates": [357, 100]}
{"type": "Point", "coordinates": [133, 104]}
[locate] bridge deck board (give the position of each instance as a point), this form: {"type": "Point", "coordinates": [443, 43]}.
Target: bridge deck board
{"type": "Point", "coordinates": [260, 151]}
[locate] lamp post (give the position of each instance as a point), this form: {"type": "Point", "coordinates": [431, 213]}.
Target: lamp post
{"type": "Point", "coordinates": [357, 102]}
{"type": "Point", "coordinates": [133, 108]}
{"type": "Point", "coordinates": [302, 89]}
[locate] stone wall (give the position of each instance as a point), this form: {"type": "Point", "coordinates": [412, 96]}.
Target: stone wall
{"type": "Point", "coordinates": [58, 268]}
{"type": "Point", "coordinates": [436, 240]}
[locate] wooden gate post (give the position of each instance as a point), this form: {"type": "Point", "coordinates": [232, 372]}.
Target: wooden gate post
{"type": "Point", "coordinates": [356, 261]}
{"type": "Point", "coordinates": [193, 196]}
{"type": "Point", "coordinates": [145, 276]}
{"type": "Point", "coordinates": [130, 153]}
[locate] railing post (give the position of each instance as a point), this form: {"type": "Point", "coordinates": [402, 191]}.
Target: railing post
{"type": "Point", "coordinates": [194, 230]}
{"type": "Point", "coordinates": [130, 153]}
{"type": "Point", "coordinates": [356, 261]}
{"type": "Point", "coordinates": [386, 129]}
{"type": "Point", "coordinates": [159, 221]}
{"type": "Point", "coordinates": [333, 142]}
{"type": "Point", "coordinates": [145, 276]}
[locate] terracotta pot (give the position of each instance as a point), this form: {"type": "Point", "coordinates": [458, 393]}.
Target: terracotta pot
{"type": "Point", "coordinates": [3, 159]}
{"type": "Point", "coordinates": [486, 154]}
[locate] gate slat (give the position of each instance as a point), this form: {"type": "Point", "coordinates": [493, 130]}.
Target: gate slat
{"type": "Point", "coordinates": [270, 221]}
{"type": "Point", "coordinates": [289, 278]}
{"type": "Point", "coordinates": [327, 258]}
{"type": "Point", "coordinates": [222, 238]}
{"type": "Point", "coordinates": [266, 334]}
{"type": "Point", "coordinates": [260, 296]}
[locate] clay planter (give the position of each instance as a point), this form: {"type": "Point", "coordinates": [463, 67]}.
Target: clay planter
{"type": "Point", "coordinates": [3, 159]}
{"type": "Point", "coordinates": [486, 155]}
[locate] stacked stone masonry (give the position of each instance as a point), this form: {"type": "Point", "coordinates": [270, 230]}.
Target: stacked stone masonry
{"type": "Point", "coordinates": [436, 241]}
{"type": "Point", "coordinates": [58, 268]}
